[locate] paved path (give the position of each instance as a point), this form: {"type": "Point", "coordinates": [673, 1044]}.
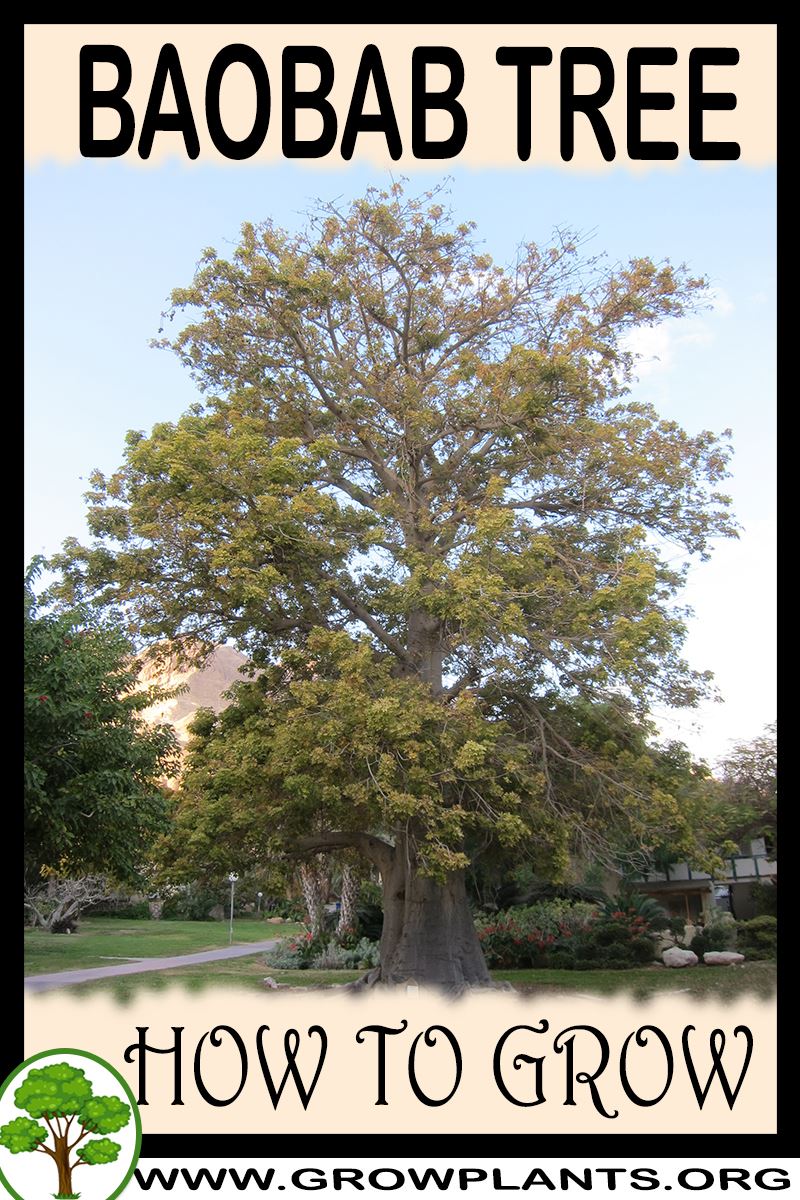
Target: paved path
{"type": "Point", "coordinates": [44, 983]}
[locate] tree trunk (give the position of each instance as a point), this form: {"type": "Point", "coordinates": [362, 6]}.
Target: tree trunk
{"type": "Point", "coordinates": [428, 933]}
{"type": "Point", "coordinates": [64, 1168]}
{"type": "Point", "coordinates": [426, 648]}
{"type": "Point", "coordinates": [348, 898]}
{"type": "Point", "coordinates": [428, 936]}
{"type": "Point", "coordinates": [315, 882]}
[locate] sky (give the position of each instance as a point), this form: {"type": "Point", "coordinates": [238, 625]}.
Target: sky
{"type": "Point", "coordinates": [106, 242]}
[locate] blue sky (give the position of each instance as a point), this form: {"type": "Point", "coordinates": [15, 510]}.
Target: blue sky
{"type": "Point", "coordinates": [105, 243]}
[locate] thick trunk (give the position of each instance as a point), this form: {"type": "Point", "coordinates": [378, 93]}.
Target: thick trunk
{"type": "Point", "coordinates": [428, 933]}
{"type": "Point", "coordinates": [64, 1169]}
{"type": "Point", "coordinates": [426, 648]}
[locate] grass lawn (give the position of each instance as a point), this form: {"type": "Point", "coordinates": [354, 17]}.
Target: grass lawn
{"type": "Point", "coordinates": [723, 983]}
{"type": "Point", "coordinates": [100, 941]}
{"type": "Point", "coordinates": [248, 974]}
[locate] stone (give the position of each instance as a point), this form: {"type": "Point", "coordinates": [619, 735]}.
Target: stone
{"type": "Point", "coordinates": [679, 958]}
{"type": "Point", "coordinates": [269, 982]}
{"type": "Point", "coordinates": [722, 958]}
{"type": "Point", "coordinates": [274, 920]}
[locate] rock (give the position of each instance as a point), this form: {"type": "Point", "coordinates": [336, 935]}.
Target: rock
{"type": "Point", "coordinates": [274, 920]}
{"type": "Point", "coordinates": [722, 958]}
{"type": "Point", "coordinates": [679, 958]}
{"type": "Point", "coordinates": [217, 913]}
{"type": "Point", "coordinates": [269, 982]}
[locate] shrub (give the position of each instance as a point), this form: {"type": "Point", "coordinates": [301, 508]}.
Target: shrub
{"type": "Point", "coordinates": [298, 954]}
{"type": "Point", "coordinates": [721, 936]}
{"type": "Point", "coordinates": [290, 910]}
{"type": "Point", "coordinates": [192, 902]}
{"type": "Point", "coordinates": [654, 913]}
{"type": "Point", "coordinates": [125, 910]}
{"type": "Point", "coordinates": [506, 943]}
{"type": "Point", "coordinates": [335, 956]}
{"type": "Point", "coordinates": [765, 899]}
{"type": "Point", "coordinates": [571, 936]}
{"type": "Point", "coordinates": [614, 940]}
{"type": "Point", "coordinates": [286, 957]}
{"type": "Point", "coordinates": [677, 927]}
{"type": "Point", "coordinates": [759, 938]}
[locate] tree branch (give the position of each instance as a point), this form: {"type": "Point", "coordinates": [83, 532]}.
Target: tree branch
{"type": "Point", "coordinates": [375, 849]}
{"type": "Point", "coordinates": [471, 675]}
{"type": "Point", "coordinates": [364, 615]}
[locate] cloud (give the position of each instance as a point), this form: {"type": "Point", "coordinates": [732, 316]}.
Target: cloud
{"type": "Point", "coordinates": [721, 303]}
{"type": "Point", "coordinates": [654, 346]}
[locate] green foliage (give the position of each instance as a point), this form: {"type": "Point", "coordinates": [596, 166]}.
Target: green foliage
{"type": "Point", "coordinates": [616, 941]}
{"type": "Point", "coordinates": [22, 1134]}
{"type": "Point", "coordinates": [290, 910]}
{"type": "Point", "coordinates": [105, 1114]}
{"type": "Point", "coordinates": [193, 902]}
{"type": "Point", "coordinates": [338, 957]}
{"type": "Point", "coordinates": [677, 927]}
{"type": "Point", "coordinates": [637, 905]}
{"type": "Point", "coordinates": [92, 766]}
{"type": "Point", "coordinates": [370, 915]}
{"type": "Point", "coordinates": [722, 936]}
{"type": "Point", "coordinates": [758, 938]}
{"type": "Point", "coordinates": [101, 1151]}
{"type": "Point", "coordinates": [749, 789]}
{"type": "Point", "coordinates": [58, 1088]}
{"type": "Point", "coordinates": [765, 899]}
{"type": "Point", "coordinates": [123, 910]}
{"type": "Point", "coordinates": [296, 953]}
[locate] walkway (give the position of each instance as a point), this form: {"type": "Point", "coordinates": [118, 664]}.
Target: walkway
{"type": "Point", "coordinates": [57, 979]}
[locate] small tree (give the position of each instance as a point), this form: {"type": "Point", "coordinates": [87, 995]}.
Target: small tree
{"type": "Point", "coordinates": [57, 905]}
{"type": "Point", "coordinates": [61, 1096]}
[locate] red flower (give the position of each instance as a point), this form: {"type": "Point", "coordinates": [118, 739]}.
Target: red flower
{"type": "Point", "coordinates": [43, 698]}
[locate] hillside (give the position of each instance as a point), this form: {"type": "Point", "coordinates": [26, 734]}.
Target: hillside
{"type": "Point", "coordinates": [204, 688]}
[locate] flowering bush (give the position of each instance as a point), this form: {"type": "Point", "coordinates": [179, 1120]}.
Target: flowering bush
{"type": "Point", "coordinates": [507, 944]}
{"type": "Point", "coordinates": [324, 954]}
{"type": "Point", "coordinates": [296, 953]}
{"type": "Point", "coordinates": [570, 936]}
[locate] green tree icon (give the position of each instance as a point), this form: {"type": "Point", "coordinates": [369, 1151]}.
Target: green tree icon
{"type": "Point", "coordinates": [61, 1096]}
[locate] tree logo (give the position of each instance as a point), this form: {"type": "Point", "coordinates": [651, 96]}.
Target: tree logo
{"type": "Point", "coordinates": [70, 1101]}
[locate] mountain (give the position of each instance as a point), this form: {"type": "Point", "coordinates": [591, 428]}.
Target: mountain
{"type": "Point", "coordinates": [204, 687]}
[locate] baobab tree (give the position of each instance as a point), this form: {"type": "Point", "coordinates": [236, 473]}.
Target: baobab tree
{"type": "Point", "coordinates": [418, 495]}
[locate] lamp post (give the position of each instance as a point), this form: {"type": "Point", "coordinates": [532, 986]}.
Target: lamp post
{"type": "Point", "coordinates": [232, 881]}
{"type": "Point", "coordinates": [259, 895]}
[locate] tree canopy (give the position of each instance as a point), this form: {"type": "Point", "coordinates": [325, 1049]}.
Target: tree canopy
{"type": "Point", "coordinates": [419, 495]}
{"type": "Point", "coordinates": [92, 765]}
{"type": "Point", "coordinates": [749, 788]}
